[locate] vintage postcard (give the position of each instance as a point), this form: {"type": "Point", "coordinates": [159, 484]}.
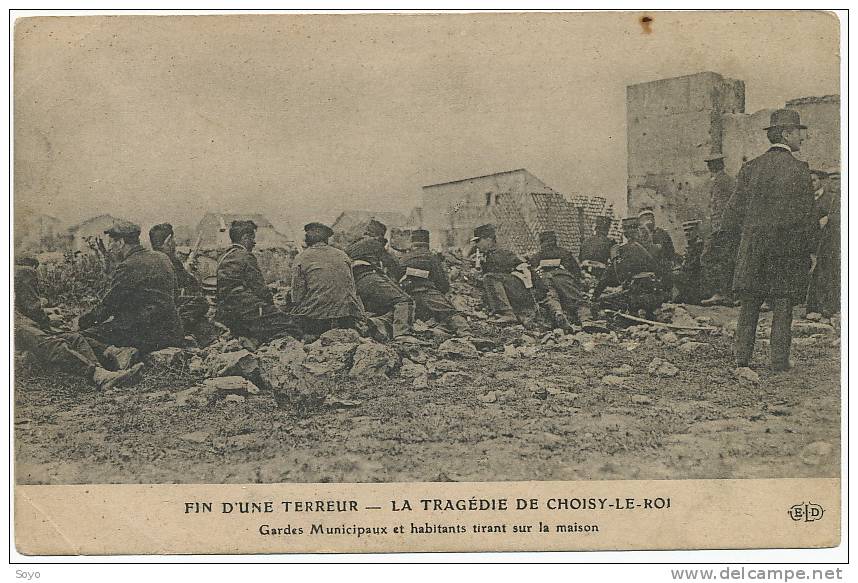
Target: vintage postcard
{"type": "Point", "coordinates": [426, 282]}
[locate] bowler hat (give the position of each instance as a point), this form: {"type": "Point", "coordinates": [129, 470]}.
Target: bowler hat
{"type": "Point", "coordinates": [376, 228]}
{"type": "Point", "coordinates": [785, 118]}
{"type": "Point", "coordinates": [122, 228]}
{"type": "Point", "coordinates": [420, 236]}
{"type": "Point", "coordinates": [483, 231]}
{"type": "Point", "coordinates": [322, 229]}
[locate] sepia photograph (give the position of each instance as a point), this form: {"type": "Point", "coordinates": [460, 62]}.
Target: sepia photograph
{"type": "Point", "coordinates": [394, 248]}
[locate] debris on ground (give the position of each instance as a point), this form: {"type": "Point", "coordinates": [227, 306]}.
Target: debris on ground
{"type": "Point", "coordinates": [662, 368]}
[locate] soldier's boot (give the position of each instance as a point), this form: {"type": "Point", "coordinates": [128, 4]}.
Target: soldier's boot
{"type": "Point", "coordinates": [403, 323]}
{"type": "Point", "coordinates": [105, 379]}
{"type": "Point", "coordinates": [122, 357]}
{"type": "Point", "coordinates": [716, 300]}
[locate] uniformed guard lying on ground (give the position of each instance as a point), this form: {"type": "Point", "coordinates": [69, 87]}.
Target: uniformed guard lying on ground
{"type": "Point", "coordinates": [190, 302]}
{"type": "Point", "coordinates": [426, 281]}
{"type": "Point", "coordinates": [635, 269]}
{"type": "Point", "coordinates": [140, 300]}
{"type": "Point", "coordinates": [323, 288]}
{"type": "Point", "coordinates": [67, 352]}
{"type": "Point", "coordinates": [560, 277]}
{"type": "Point", "coordinates": [244, 303]}
{"type": "Point", "coordinates": [380, 295]}
{"type": "Point", "coordinates": [507, 280]}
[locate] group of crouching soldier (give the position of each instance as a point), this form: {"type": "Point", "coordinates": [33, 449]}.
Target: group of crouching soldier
{"type": "Point", "coordinates": [153, 301]}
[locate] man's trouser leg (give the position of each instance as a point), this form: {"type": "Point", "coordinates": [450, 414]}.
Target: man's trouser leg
{"type": "Point", "coordinates": [431, 303]}
{"type": "Point", "coordinates": [781, 338]}
{"type": "Point", "coordinates": [746, 328]}
{"type": "Point", "coordinates": [403, 317]}
{"type": "Point", "coordinates": [567, 292]}
{"type": "Point", "coordinates": [56, 351]}
{"type": "Point", "coordinates": [498, 302]}
{"type": "Point", "coordinates": [271, 325]}
{"type": "Point", "coordinates": [380, 295]}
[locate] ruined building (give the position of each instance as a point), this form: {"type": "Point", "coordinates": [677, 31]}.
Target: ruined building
{"type": "Point", "coordinates": [675, 124]}
{"type": "Point", "coordinates": [517, 202]}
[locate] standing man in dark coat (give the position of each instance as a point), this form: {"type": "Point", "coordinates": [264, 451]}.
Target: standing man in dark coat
{"type": "Point", "coordinates": [560, 276]}
{"type": "Point", "coordinates": [244, 303]}
{"type": "Point", "coordinates": [773, 206]}
{"type": "Point", "coordinates": [636, 270]}
{"type": "Point", "coordinates": [67, 352]}
{"type": "Point", "coordinates": [324, 296]}
{"type": "Point", "coordinates": [596, 250]}
{"type": "Point", "coordinates": [691, 286]}
{"type": "Point", "coordinates": [661, 247]}
{"type": "Point", "coordinates": [426, 281]}
{"type": "Point", "coordinates": [824, 289]}
{"type": "Point", "coordinates": [719, 253]}
{"type": "Point", "coordinates": [380, 295]}
{"type": "Point", "coordinates": [141, 298]}
{"type": "Point", "coordinates": [507, 280]}
{"type": "Point", "coordinates": [190, 302]}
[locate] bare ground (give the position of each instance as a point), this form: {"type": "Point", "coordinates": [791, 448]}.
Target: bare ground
{"type": "Point", "coordinates": [700, 424]}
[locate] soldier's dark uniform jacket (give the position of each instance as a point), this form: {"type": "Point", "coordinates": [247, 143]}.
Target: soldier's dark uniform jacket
{"type": "Point", "coordinates": [379, 294]}
{"type": "Point", "coordinates": [664, 253]}
{"type": "Point", "coordinates": [241, 289]}
{"type": "Point", "coordinates": [596, 248]}
{"type": "Point", "coordinates": [421, 261]}
{"type": "Point", "coordinates": [511, 294]}
{"type": "Point", "coordinates": [186, 284]}
{"type": "Point", "coordinates": [632, 259]}
{"type": "Point", "coordinates": [425, 279]}
{"type": "Point", "coordinates": [142, 301]}
{"type": "Point", "coordinates": [244, 303]}
{"type": "Point", "coordinates": [773, 206]}
{"type": "Point", "coordinates": [691, 288]}
{"type": "Point", "coordinates": [558, 276]}
{"type": "Point", "coordinates": [721, 190]}
{"type": "Point", "coordinates": [499, 260]}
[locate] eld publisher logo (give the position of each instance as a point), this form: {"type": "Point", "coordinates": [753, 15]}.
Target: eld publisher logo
{"type": "Point", "coordinates": [806, 511]}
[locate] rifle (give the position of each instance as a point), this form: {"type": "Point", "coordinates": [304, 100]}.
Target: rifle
{"type": "Point", "coordinates": [189, 262]}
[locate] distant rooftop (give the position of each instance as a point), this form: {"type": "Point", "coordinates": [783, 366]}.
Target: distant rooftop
{"type": "Point", "coordinates": [477, 177]}
{"type": "Point", "coordinates": [820, 99]}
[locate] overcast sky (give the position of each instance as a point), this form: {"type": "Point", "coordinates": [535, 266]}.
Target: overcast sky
{"type": "Point", "coordinates": [302, 116]}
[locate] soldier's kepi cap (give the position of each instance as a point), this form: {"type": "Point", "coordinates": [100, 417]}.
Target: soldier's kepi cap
{"type": "Point", "coordinates": [420, 236]}
{"type": "Point", "coordinates": [121, 229]}
{"type": "Point", "coordinates": [630, 223]}
{"type": "Point", "coordinates": [713, 157]}
{"type": "Point", "coordinates": [785, 118]}
{"type": "Point", "coordinates": [689, 226]}
{"type": "Point", "coordinates": [376, 228]}
{"type": "Point", "coordinates": [483, 231]}
{"type": "Point", "coordinates": [647, 210]}
{"type": "Point", "coordinates": [320, 228]}
{"type": "Point", "coordinates": [547, 237]}
{"type": "Point", "coordinates": [602, 220]}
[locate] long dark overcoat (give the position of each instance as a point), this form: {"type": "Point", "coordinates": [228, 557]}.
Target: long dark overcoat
{"type": "Point", "coordinates": [773, 209]}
